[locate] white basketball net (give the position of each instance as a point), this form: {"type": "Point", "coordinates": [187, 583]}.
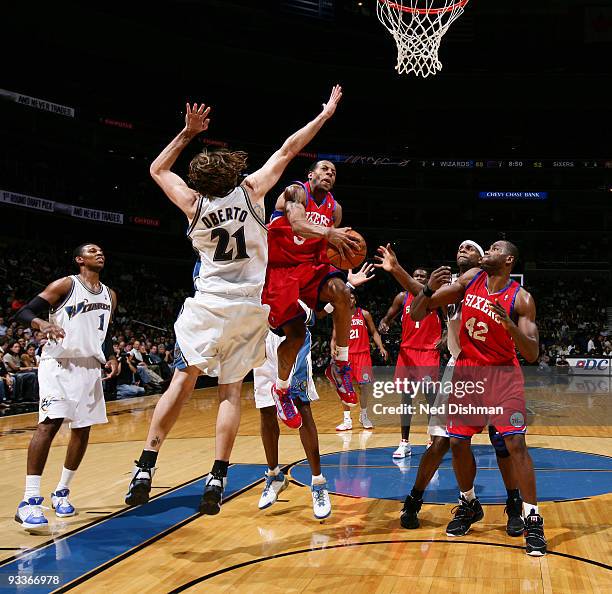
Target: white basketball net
{"type": "Point", "coordinates": [418, 27]}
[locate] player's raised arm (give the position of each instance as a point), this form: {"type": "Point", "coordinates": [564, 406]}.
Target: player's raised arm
{"type": "Point", "coordinates": [196, 121]}
{"type": "Point", "coordinates": [525, 332]}
{"type": "Point", "coordinates": [439, 292]}
{"type": "Point", "coordinates": [264, 179]}
{"type": "Point", "coordinates": [387, 260]}
{"type": "Point", "coordinates": [394, 309]}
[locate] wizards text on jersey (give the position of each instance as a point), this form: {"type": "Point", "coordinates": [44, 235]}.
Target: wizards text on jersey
{"type": "Point", "coordinates": [84, 307]}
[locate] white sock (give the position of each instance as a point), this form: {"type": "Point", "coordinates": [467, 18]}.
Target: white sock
{"type": "Point", "coordinates": [469, 495]}
{"type": "Point", "coordinates": [318, 480]}
{"type": "Point", "coordinates": [65, 479]}
{"type": "Point", "coordinates": [347, 415]}
{"type": "Point", "coordinates": [342, 353]}
{"type": "Point", "coordinates": [364, 411]}
{"type": "Point", "coordinates": [32, 486]}
{"type": "Point", "coordinates": [273, 472]}
{"type": "Point", "coordinates": [282, 384]}
{"type": "Point", "coordinates": [528, 508]}
{"type": "Point", "coordinates": [403, 441]}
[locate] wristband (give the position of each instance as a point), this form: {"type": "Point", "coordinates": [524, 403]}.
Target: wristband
{"type": "Point", "coordinates": [329, 308]}
{"type": "Point", "coordinates": [428, 291]}
{"type": "Point", "coordinates": [351, 287]}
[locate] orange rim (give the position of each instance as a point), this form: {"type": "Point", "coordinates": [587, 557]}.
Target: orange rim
{"type": "Point", "coordinates": [403, 8]}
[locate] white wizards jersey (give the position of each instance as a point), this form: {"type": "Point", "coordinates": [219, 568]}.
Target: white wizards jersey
{"type": "Point", "coordinates": [84, 317]}
{"type": "Point", "coordinates": [232, 246]}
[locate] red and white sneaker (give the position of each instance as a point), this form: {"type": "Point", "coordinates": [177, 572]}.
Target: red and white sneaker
{"type": "Point", "coordinates": [339, 375]}
{"type": "Point", "coordinates": [285, 408]}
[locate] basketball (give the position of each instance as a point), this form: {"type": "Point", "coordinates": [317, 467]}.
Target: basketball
{"type": "Point", "coordinates": [347, 263]}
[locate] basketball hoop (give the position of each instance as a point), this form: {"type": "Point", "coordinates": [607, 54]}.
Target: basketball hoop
{"type": "Point", "coordinates": [418, 27]}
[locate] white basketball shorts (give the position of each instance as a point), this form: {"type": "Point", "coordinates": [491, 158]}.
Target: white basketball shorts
{"type": "Point", "coordinates": [71, 389]}
{"type": "Point", "coordinates": [301, 380]}
{"type": "Point", "coordinates": [224, 336]}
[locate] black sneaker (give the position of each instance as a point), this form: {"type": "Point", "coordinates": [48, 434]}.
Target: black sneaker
{"type": "Point", "coordinates": [409, 518]}
{"type": "Point", "coordinates": [515, 526]}
{"type": "Point", "coordinates": [140, 485]}
{"type": "Point", "coordinates": [465, 515]}
{"type": "Point", "coordinates": [210, 504]}
{"type": "Point", "coordinates": [534, 535]}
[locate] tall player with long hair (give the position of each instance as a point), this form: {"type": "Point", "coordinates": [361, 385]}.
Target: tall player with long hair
{"type": "Point", "coordinates": [221, 330]}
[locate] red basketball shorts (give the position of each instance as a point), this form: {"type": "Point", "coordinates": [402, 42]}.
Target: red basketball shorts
{"type": "Point", "coordinates": [361, 367]}
{"type": "Point", "coordinates": [285, 285]}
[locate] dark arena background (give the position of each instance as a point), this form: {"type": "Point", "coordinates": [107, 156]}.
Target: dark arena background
{"type": "Point", "coordinates": [509, 141]}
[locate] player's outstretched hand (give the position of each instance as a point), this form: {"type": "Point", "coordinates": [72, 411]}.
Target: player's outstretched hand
{"type": "Point", "coordinates": [329, 108]}
{"type": "Point", "coordinates": [196, 118]}
{"type": "Point", "coordinates": [440, 276]}
{"type": "Point", "coordinates": [363, 275]}
{"type": "Point", "coordinates": [346, 244]}
{"type": "Point", "coordinates": [504, 318]}
{"type": "Point", "coordinates": [51, 331]}
{"type": "Point", "coordinates": [113, 366]}
{"type": "Point", "coordinates": [387, 260]}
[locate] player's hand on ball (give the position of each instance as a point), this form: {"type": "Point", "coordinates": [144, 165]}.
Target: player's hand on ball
{"type": "Point", "coordinates": [363, 275]}
{"type": "Point", "coordinates": [51, 331]}
{"type": "Point", "coordinates": [439, 277]}
{"type": "Point", "coordinates": [196, 118]}
{"type": "Point", "coordinates": [504, 318]}
{"type": "Point", "coordinates": [387, 260]}
{"type": "Point", "coordinates": [345, 243]}
{"type": "Point", "coordinates": [113, 366]}
{"type": "Point", "coordinates": [329, 108]}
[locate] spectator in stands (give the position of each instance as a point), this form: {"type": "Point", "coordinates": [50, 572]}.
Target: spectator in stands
{"type": "Point", "coordinates": [29, 360]}
{"type": "Point", "coordinates": [591, 345]}
{"type": "Point", "coordinates": [12, 358]}
{"type": "Point", "coordinates": [165, 365]}
{"type": "Point", "coordinates": [6, 386]}
{"type": "Point", "coordinates": [25, 386]}
{"type": "Point", "coordinates": [127, 385]}
{"type": "Point", "coordinates": [3, 327]}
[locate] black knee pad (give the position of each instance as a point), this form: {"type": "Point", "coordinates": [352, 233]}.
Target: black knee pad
{"type": "Point", "coordinates": [499, 443]}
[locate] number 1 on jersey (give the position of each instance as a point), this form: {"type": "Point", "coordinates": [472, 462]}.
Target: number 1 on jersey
{"type": "Point", "coordinates": [101, 326]}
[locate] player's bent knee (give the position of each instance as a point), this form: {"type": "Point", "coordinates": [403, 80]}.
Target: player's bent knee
{"type": "Point", "coordinates": [440, 445]}
{"type": "Point", "coordinates": [498, 442]}
{"type": "Point", "coordinates": [459, 445]}
{"type": "Point", "coordinates": [515, 444]}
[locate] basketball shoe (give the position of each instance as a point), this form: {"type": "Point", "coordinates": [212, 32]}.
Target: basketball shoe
{"type": "Point", "coordinates": [321, 503]}
{"type": "Point", "coordinates": [274, 485]}
{"type": "Point", "coordinates": [403, 450]}
{"type": "Point", "coordinates": [365, 420]}
{"type": "Point", "coordinates": [346, 425]}
{"type": "Point", "coordinates": [285, 408]}
{"type": "Point", "coordinates": [59, 502]}
{"type": "Point", "coordinates": [339, 375]}
{"type": "Point", "coordinates": [466, 514]}
{"type": "Point", "coordinates": [31, 516]}
{"type": "Point", "coordinates": [210, 504]}
{"type": "Point", "coordinates": [409, 517]}
{"type": "Point", "coordinates": [515, 526]}
{"type": "Point", "coordinates": [140, 485]}
{"type": "Point", "coordinates": [534, 535]}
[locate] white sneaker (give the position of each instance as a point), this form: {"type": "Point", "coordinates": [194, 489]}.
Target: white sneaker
{"type": "Point", "coordinates": [403, 450]}
{"type": "Point", "coordinates": [321, 503]}
{"type": "Point", "coordinates": [345, 425]}
{"type": "Point", "coordinates": [274, 485]}
{"type": "Point", "coordinates": [59, 502]}
{"type": "Point", "coordinates": [365, 420]}
{"type": "Point", "coordinates": [31, 516]}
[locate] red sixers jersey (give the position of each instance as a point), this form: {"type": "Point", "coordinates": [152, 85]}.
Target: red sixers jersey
{"type": "Point", "coordinates": [422, 335]}
{"type": "Point", "coordinates": [482, 337]}
{"type": "Point", "coordinates": [359, 337]}
{"type": "Point", "coordinates": [287, 249]}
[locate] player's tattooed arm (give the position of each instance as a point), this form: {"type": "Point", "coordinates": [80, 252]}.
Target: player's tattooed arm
{"type": "Point", "coordinates": [524, 332]}
{"type": "Point", "coordinates": [394, 309]}
{"type": "Point", "coordinates": [387, 260]}
{"type": "Point", "coordinates": [294, 198]}
{"type": "Point", "coordinates": [196, 121]}
{"type": "Point", "coordinates": [444, 293]}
